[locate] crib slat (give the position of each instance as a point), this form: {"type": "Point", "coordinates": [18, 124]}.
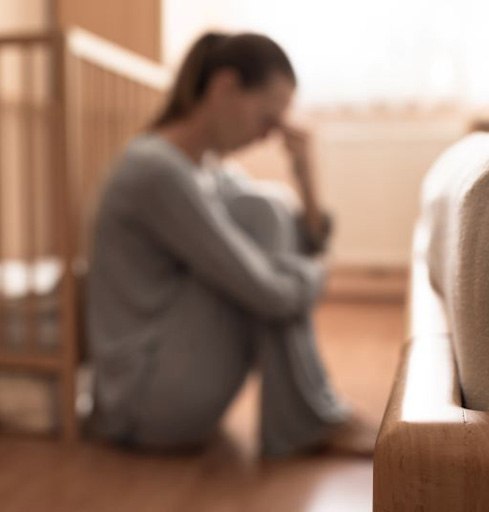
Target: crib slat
{"type": "Point", "coordinates": [53, 164]}
{"type": "Point", "coordinates": [131, 118]}
{"type": "Point", "coordinates": [2, 202]}
{"type": "Point", "coordinates": [28, 214]}
{"type": "Point", "coordinates": [96, 122]}
{"type": "Point", "coordinates": [85, 136]}
{"type": "Point", "coordinates": [62, 146]}
{"type": "Point", "coordinates": [118, 85]}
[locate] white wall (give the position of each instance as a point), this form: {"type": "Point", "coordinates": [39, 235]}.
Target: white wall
{"type": "Point", "coordinates": [368, 173]}
{"type": "Point", "coordinates": [22, 15]}
{"type": "Point", "coordinates": [187, 19]}
{"type": "Point", "coordinates": [370, 176]}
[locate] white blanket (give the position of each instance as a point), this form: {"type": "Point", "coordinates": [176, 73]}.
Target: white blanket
{"type": "Point", "coordinates": [455, 206]}
{"type": "Point", "coordinates": [19, 277]}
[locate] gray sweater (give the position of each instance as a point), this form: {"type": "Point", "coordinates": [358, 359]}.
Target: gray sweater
{"type": "Point", "coordinates": [158, 233]}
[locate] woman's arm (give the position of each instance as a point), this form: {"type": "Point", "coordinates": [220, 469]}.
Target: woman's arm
{"type": "Point", "coordinates": [173, 210]}
{"type": "Point", "coordinates": [316, 223]}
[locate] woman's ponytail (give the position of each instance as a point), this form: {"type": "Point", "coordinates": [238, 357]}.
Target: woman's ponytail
{"type": "Point", "coordinates": [188, 86]}
{"type": "Point", "coordinates": [254, 57]}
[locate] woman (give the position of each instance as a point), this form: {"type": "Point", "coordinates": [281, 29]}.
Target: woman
{"type": "Point", "coordinates": [196, 277]}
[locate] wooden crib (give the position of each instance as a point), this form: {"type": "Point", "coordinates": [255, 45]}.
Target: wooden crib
{"type": "Point", "coordinates": [68, 102]}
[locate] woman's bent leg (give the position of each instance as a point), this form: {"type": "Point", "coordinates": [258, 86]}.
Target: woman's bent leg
{"type": "Point", "coordinates": [190, 380]}
{"type": "Point", "coordinates": [298, 403]}
{"type": "Point", "coordinates": [194, 372]}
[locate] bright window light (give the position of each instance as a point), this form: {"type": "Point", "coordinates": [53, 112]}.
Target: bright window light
{"type": "Point", "coordinates": [352, 51]}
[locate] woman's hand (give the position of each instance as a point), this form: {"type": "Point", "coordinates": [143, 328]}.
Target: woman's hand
{"type": "Point", "coordinates": [297, 144]}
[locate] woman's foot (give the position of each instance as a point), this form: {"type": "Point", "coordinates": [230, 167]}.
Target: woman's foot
{"type": "Point", "coordinates": [354, 437]}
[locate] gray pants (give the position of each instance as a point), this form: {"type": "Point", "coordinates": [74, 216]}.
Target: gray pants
{"type": "Point", "coordinates": [188, 383]}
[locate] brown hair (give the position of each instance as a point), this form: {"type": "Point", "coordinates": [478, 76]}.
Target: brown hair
{"type": "Point", "coordinates": [255, 57]}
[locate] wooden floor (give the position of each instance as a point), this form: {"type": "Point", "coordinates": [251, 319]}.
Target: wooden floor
{"type": "Point", "coordinates": [359, 343]}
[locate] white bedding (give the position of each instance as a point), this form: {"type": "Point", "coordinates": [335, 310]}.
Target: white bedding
{"type": "Point", "coordinates": [18, 278]}
{"type": "Point", "coordinates": [455, 206]}
{"type": "Point", "coordinates": [39, 280]}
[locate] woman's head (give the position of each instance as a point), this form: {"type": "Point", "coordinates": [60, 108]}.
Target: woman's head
{"type": "Point", "coordinates": [243, 84]}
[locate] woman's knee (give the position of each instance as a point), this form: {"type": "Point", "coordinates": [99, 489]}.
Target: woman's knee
{"type": "Point", "coordinates": [265, 219]}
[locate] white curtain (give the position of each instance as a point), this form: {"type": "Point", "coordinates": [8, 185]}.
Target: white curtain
{"type": "Point", "coordinates": [358, 52]}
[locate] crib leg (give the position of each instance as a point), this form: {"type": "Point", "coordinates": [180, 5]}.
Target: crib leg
{"type": "Point", "coordinates": [69, 423]}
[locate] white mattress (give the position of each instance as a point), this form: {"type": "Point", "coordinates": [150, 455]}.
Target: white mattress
{"type": "Point", "coordinates": [40, 282]}
{"type": "Point", "coordinates": [18, 278]}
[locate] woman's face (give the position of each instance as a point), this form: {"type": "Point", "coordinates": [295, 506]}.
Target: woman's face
{"type": "Point", "coordinates": [242, 116]}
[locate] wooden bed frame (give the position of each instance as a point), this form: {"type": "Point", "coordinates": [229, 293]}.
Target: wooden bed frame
{"type": "Point", "coordinates": [432, 454]}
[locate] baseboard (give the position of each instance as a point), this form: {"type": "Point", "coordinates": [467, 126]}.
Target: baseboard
{"type": "Point", "coordinates": [355, 283]}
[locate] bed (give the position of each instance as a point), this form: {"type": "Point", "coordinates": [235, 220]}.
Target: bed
{"type": "Point", "coordinates": [432, 452]}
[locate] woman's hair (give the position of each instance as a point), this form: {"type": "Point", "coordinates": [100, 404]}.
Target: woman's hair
{"type": "Point", "coordinates": [253, 56]}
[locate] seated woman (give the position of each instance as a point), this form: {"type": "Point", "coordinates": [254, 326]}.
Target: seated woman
{"type": "Point", "coordinates": [196, 278]}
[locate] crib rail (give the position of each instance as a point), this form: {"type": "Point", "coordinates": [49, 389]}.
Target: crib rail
{"type": "Point", "coordinates": [68, 102]}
